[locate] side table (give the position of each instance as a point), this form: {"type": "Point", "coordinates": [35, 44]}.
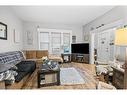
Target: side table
{"type": "Point", "coordinates": [66, 57]}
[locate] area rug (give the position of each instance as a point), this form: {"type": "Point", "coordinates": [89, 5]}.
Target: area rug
{"type": "Point", "coordinates": [70, 76]}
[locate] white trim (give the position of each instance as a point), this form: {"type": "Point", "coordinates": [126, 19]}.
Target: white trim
{"type": "Point", "coordinates": [54, 30]}
{"type": "Point", "coordinates": [91, 47]}
{"type": "Point", "coordinates": [115, 24]}
{"type": "Point", "coordinates": [38, 39]}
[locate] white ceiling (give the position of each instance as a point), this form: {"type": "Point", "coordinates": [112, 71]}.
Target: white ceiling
{"type": "Point", "coordinates": [60, 14]}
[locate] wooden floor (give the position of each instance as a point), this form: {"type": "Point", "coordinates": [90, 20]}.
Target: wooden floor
{"type": "Point", "coordinates": [87, 71]}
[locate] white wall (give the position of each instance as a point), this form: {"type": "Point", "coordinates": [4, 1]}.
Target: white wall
{"type": "Point", "coordinates": [32, 27]}
{"type": "Point", "coordinates": [113, 15]}
{"type": "Point", "coordinates": [8, 17]}
{"type": "Point", "coordinates": [116, 14]}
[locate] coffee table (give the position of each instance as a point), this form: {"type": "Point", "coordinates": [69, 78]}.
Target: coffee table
{"type": "Point", "coordinates": [45, 70]}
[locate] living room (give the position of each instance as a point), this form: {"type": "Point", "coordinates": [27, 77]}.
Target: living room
{"type": "Point", "coordinates": [63, 47]}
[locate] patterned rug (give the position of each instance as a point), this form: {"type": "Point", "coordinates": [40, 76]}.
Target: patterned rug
{"type": "Point", "coordinates": [70, 76]}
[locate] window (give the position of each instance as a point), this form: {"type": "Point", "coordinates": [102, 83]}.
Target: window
{"type": "Point", "coordinates": [55, 41]}
{"type": "Point", "coordinates": [44, 40]}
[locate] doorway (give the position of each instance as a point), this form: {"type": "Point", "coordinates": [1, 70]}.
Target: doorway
{"type": "Point", "coordinates": [105, 48]}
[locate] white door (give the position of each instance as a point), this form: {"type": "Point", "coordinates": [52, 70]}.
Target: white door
{"type": "Point", "coordinates": [111, 45]}
{"type": "Point", "coordinates": [103, 46]}
{"type": "Point", "coordinates": [106, 45]}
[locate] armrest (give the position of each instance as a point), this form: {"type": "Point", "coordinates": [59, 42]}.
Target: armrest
{"type": "Point", "coordinates": [30, 60]}
{"type": "Point", "coordinates": [118, 69]}
{"type": "Point", "coordinates": [27, 62]}
{"type": "Point", "coordinates": [14, 68]}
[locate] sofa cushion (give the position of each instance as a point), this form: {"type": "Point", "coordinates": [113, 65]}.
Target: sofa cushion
{"type": "Point", "coordinates": [20, 76]}
{"type": "Point", "coordinates": [16, 58]}
{"type": "Point", "coordinates": [31, 64]}
{"type": "Point", "coordinates": [23, 67]}
{"type": "Point", "coordinates": [26, 66]}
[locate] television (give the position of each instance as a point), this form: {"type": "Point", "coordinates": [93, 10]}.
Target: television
{"type": "Point", "coordinates": [80, 48]}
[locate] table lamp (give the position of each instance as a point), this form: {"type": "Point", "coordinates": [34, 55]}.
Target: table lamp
{"type": "Point", "coordinates": [121, 40]}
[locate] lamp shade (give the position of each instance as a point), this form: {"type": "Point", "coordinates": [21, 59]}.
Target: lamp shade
{"type": "Point", "coordinates": [121, 37]}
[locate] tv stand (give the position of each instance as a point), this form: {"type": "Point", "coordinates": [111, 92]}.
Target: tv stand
{"type": "Point", "coordinates": [77, 57]}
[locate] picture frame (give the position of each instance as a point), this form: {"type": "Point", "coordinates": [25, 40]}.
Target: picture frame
{"type": "Point", "coordinates": [3, 31]}
{"type": "Point", "coordinates": [29, 38]}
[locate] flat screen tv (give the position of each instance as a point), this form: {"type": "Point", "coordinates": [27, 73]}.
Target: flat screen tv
{"type": "Point", "coordinates": [81, 48]}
